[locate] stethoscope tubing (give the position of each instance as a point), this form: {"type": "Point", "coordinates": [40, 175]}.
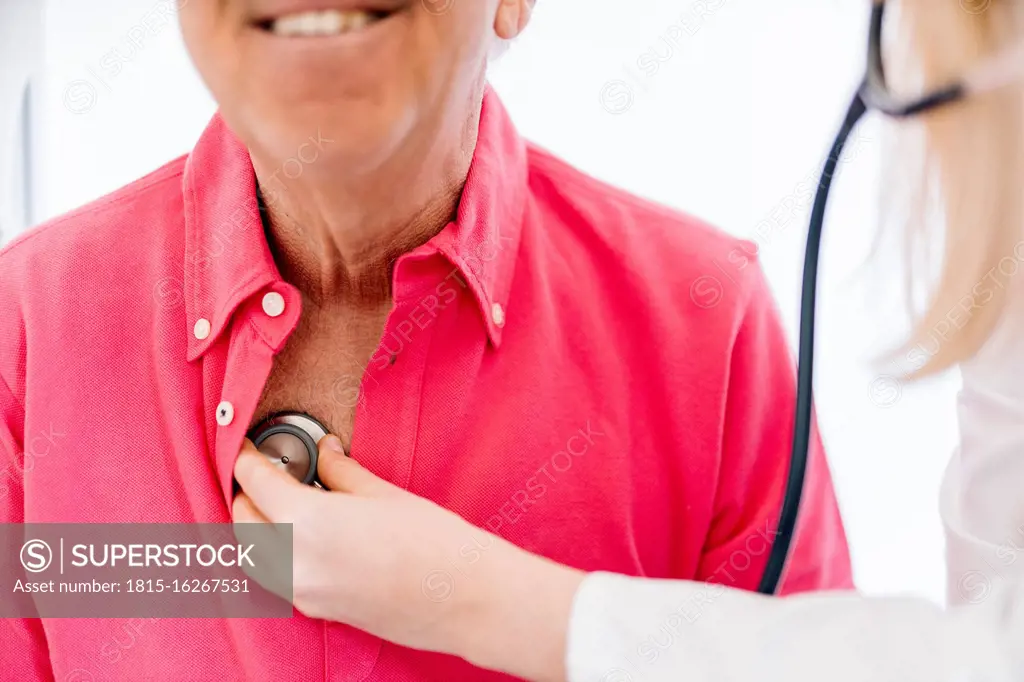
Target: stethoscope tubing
{"type": "Point", "coordinates": [873, 94]}
{"type": "Point", "coordinates": [803, 418]}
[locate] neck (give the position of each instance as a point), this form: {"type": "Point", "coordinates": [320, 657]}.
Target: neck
{"type": "Point", "coordinates": [336, 237]}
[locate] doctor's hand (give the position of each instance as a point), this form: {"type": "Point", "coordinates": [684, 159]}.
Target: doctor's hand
{"type": "Point", "coordinates": [374, 556]}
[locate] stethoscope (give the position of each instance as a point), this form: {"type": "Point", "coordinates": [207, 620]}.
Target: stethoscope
{"type": "Point", "coordinates": [289, 439]}
{"type": "Point", "coordinates": [873, 94]}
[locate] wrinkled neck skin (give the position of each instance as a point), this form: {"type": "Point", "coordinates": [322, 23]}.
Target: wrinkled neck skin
{"type": "Point", "coordinates": [336, 235]}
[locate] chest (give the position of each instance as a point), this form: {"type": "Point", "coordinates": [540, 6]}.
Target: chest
{"type": "Point", "coordinates": [321, 368]}
{"type": "Point", "coordinates": [524, 439]}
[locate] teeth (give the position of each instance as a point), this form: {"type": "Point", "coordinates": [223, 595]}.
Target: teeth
{"type": "Point", "coordinates": [325, 23]}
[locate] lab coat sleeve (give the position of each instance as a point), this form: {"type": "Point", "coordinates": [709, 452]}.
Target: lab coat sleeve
{"type": "Point", "coordinates": [983, 489]}
{"type": "Point", "coordinates": [634, 630]}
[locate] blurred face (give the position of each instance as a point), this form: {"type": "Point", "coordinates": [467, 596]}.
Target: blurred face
{"type": "Point", "coordinates": [360, 76]}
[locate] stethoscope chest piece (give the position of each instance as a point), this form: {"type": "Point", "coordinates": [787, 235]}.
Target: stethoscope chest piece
{"type": "Point", "coordinates": [289, 440]}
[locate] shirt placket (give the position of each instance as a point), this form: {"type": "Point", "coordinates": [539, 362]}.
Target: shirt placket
{"type": "Point", "coordinates": [261, 326]}
{"type": "Point", "coordinates": [384, 441]}
{"type": "Point", "coordinates": [236, 369]}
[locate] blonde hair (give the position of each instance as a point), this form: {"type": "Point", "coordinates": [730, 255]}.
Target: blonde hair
{"type": "Point", "coordinates": [970, 172]}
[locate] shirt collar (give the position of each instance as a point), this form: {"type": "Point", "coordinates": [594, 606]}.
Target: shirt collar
{"type": "Point", "coordinates": [483, 242]}
{"type": "Point", "coordinates": [228, 260]}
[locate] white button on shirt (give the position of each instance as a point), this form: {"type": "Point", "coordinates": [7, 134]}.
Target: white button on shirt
{"type": "Point", "coordinates": [498, 314]}
{"type": "Point", "coordinates": [202, 328]}
{"type": "Point", "coordinates": [273, 304]}
{"type": "Point", "coordinates": [225, 413]}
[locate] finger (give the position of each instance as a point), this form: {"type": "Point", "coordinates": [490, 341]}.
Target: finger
{"type": "Point", "coordinates": [273, 492]}
{"type": "Point", "coordinates": [244, 515]}
{"type": "Point", "coordinates": [270, 557]}
{"type": "Point", "coordinates": [244, 511]}
{"type": "Point", "coordinates": [341, 473]}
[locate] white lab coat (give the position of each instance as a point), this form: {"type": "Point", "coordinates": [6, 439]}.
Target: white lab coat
{"type": "Point", "coordinates": [637, 630]}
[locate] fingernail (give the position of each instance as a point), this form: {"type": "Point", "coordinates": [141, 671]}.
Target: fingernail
{"type": "Point", "coordinates": [334, 443]}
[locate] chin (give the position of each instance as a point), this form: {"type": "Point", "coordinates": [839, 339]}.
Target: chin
{"type": "Point", "coordinates": [322, 139]}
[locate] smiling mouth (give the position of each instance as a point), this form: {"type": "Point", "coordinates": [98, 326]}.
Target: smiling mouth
{"type": "Point", "coordinates": [323, 23]}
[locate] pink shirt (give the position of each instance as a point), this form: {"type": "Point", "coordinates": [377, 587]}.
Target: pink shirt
{"type": "Point", "coordinates": [562, 366]}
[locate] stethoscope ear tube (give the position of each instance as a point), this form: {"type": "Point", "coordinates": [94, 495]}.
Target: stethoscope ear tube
{"type": "Point", "coordinates": [776, 565]}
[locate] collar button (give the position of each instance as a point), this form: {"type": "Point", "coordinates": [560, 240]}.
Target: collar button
{"type": "Point", "coordinates": [202, 329]}
{"type": "Point", "coordinates": [273, 304]}
{"type": "Point", "coordinates": [498, 314]}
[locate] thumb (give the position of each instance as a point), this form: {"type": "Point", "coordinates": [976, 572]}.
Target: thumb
{"type": "Point", "coordinates": [341, 473]}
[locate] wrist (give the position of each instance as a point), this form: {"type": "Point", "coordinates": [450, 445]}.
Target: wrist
{"type": "Point", "coordinates": [517, 612]}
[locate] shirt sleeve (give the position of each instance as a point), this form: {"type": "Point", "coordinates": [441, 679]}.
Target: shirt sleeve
{"type": "Point", "coordinates": [756, 453]}
{"type": "Point", "coordinates": [23, 645]}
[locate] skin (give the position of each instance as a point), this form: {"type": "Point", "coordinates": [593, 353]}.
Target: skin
{"type": "Point", "coordinates": [510, 614]}
{"type": "Point", "coordinates": [395, 107]}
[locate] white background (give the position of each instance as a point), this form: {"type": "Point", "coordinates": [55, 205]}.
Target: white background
{"type": "Point", "coordinates": [740, 111]}
{"type": "Point", "coordinates": [20, 34]}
